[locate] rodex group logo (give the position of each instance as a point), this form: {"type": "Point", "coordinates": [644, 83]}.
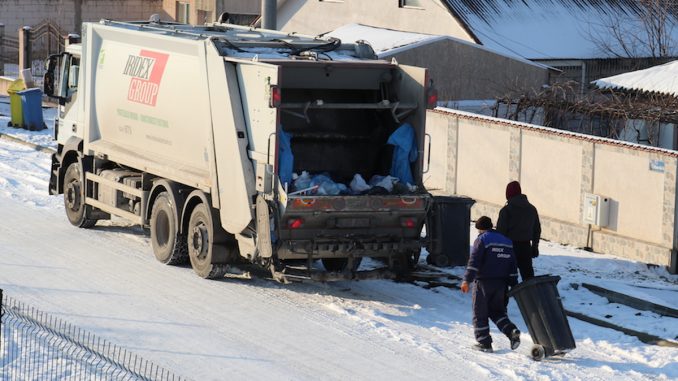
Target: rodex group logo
{"type": "Point", "coordinates": [146, 71]}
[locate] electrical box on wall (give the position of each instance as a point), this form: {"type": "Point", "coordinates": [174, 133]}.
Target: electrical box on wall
{"type": "Point", "coordinates": [596, 209]}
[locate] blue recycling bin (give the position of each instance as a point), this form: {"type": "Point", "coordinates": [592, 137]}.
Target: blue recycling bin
{"type": "Point", "coordinates": [31, 108]}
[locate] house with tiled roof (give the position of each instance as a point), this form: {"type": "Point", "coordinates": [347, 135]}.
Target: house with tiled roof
{"type": "Point", "coordinates": [574, 36]}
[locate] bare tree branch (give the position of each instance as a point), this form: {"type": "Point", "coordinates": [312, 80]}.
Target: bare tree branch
{"type": "Point", "coordinates": [642, 32]}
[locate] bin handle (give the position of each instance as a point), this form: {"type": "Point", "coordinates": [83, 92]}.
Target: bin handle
{"type": "Point", "coordinates": [428, 158]}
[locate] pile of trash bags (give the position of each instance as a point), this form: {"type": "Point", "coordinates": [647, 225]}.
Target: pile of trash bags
{"type": "Point", "coordinates": [323, 185]}
{"type": "Point", "coordinates": [398, 181]}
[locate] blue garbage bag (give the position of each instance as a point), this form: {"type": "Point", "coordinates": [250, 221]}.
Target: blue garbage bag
{"type": "Point", "coordinates": [404, 152]}
{"type": "Point", "coordinates": [327, 186]}
{"type": "Point", "coordinates": [285, 157]}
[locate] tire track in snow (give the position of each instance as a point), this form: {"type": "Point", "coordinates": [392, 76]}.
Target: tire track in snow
{"type": "Point", "coordinates": [146, 274]}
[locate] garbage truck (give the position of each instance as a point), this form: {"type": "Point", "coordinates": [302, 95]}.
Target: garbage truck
{"type": "Point", "coordinates": [236, 146]}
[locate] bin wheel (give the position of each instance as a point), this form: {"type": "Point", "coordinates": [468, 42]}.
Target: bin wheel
{"type": "Point", "coordinates": [538, 352]}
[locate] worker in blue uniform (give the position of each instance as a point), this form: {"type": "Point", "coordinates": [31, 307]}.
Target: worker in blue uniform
{"type": "Point", "coordinates": [492, 268]}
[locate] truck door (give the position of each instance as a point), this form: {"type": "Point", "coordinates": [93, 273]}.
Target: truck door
{"type": "Point", "coordinates": [412, 88]}
{"type": "Point", "coordinates": [240, 102]}
{"type": "Point", "coordinates": [61, 82]}
{"type": "Point", "coordinates": [259, 92]}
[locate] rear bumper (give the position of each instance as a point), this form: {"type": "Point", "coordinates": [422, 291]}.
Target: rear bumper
{"type": "Point", "coordinates": [323, 276]}
{"type": "Point", "coordinates": [344, 248]}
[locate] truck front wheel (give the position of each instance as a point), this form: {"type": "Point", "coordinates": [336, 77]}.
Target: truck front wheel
{"type": "Point", "coordinates": [74, 198]}
{"type": "Point", "coordinates": [201, 244]}
{"type": "Point", "coordinates": [168, 246]}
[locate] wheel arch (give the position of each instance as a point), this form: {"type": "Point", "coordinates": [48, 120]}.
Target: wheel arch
{"type": "Point", "coordinates": [70, 153]}
{"type": "Point", "coordinates": [174, 191]}
{"type": "Point", "coordinates": [194, 198]}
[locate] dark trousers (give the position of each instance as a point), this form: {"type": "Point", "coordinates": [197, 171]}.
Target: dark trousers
{"type": "Point", "coordinates": [488, 302]}
{"type": "Point", "coordinates": [523, 252]}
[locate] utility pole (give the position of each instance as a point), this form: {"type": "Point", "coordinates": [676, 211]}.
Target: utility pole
{"type": "Point", "coordinates": [2, 49]}
{"type": "Point", "coordinates": [25, 49]}
{"type": "Point", "coordinates": [269, 10]}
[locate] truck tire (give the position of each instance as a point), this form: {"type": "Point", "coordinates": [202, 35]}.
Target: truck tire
{"type": "Point", "coordinates": [169, 247]}
{"type": "Point", "coordinates": [201, 244]}
{"type": "Point", "coordinates": [74, 198]}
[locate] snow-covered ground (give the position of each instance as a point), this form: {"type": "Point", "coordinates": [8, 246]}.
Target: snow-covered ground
{"type": "Point", "coordinates": [107, 281]}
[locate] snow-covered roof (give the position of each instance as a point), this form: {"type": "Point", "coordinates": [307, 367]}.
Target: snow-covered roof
{"type": "Point", "coordinates": [660, 79]}
{"type": "Point", "coordinates": [388, 42]}
{"type": "Point", "coordinates": [548, 29]}
{"type": "Point", "coordinates": [383, 41]}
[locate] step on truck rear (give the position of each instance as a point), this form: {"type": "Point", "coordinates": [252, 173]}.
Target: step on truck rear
{"type": "Point", "coordinates": [234, 145]}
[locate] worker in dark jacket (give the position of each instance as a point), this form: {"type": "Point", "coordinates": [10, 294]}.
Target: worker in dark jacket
{"type": "Point", "coordinates": [492, 266]}
{"type": "Point", "coordinates": [519, 221]}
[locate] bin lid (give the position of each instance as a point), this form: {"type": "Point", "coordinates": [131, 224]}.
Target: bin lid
{"type": "Point", "coordinates": [29, 91]}
{"type": "Point", "coordinates": [453, 200]}
{"type": "Point", "coordinates": [533, 282]}
{"type": "Point", "coordinates": [16, 86]}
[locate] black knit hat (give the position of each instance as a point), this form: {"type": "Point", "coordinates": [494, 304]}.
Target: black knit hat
{"type": "Point", "coordinates": [484, 223]}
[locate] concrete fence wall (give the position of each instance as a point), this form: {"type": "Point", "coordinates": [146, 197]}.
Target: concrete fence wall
{"type": "Point", "coordinates": [477, 156]}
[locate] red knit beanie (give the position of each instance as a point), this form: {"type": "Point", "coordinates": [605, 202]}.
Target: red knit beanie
{"type": "Point", "coordinates": [513, 189]}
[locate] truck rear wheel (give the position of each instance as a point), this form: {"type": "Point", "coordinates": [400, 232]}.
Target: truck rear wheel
{"type": "Point", "coordinates": [74, 198]}
{"type": "Point", "coordinates": [201, 244]}
{"type": "Point", "coordinates": [168, 246]}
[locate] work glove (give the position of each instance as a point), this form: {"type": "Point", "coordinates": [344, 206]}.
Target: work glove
{"type": "Point", "coordinates": [535, 250]}
{"type": "Point", "coordinates": [464, 287]}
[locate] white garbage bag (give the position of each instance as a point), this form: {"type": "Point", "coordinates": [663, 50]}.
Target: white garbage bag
{"type": "Point", "coordinates": [358, 184]}
{"type": "Point", "coordinates": [385, 182]}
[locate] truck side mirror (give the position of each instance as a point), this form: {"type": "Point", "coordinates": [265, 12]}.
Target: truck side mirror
{"type": "Point", "coordinates": [56, 79]}
{"type": "Point", "coordinates": [48, 80]}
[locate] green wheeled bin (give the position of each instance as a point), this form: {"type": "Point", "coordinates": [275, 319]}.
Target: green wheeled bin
{"type": "Point", "coordinates": [539, 303]}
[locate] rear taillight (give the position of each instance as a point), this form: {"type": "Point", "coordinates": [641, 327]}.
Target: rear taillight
{"type": "Point", "coordinates": [408, 222]}
{"type": "Point", "coordinates": [432, 99]}
{"type": "Point", "coordinates": [295, 223]}
{"type": "Point", "coordinates": [276, 97]}
{"type": "Point", "coordinates": [431, 94]}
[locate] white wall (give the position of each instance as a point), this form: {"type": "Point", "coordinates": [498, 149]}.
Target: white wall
{"type": "Point", "coordinates": [477, 156]}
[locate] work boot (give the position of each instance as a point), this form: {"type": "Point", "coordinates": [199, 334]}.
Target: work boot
{"type": "Point", "coordinates": [514, 336]}
{"type": "Point", "coordinates": [483, 347]}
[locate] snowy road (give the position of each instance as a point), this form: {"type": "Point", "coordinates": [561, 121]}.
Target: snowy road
{"type": "Point", "coordinates": [106, 280]}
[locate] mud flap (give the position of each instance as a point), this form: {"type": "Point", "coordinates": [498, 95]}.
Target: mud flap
{"type": "Point", "coordinates": [224, 247]}
{"type": "Point", "coordinates": [56, 175]}
{"type": "Point", "coordinates": [264, 244]}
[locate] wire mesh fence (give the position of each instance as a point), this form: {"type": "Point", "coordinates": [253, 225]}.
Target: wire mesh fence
{"type": "Point", "coordinates": [38, 346]}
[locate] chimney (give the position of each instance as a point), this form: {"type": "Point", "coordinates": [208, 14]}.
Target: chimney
{"type": "Point", "coordinates": [269, 9]}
